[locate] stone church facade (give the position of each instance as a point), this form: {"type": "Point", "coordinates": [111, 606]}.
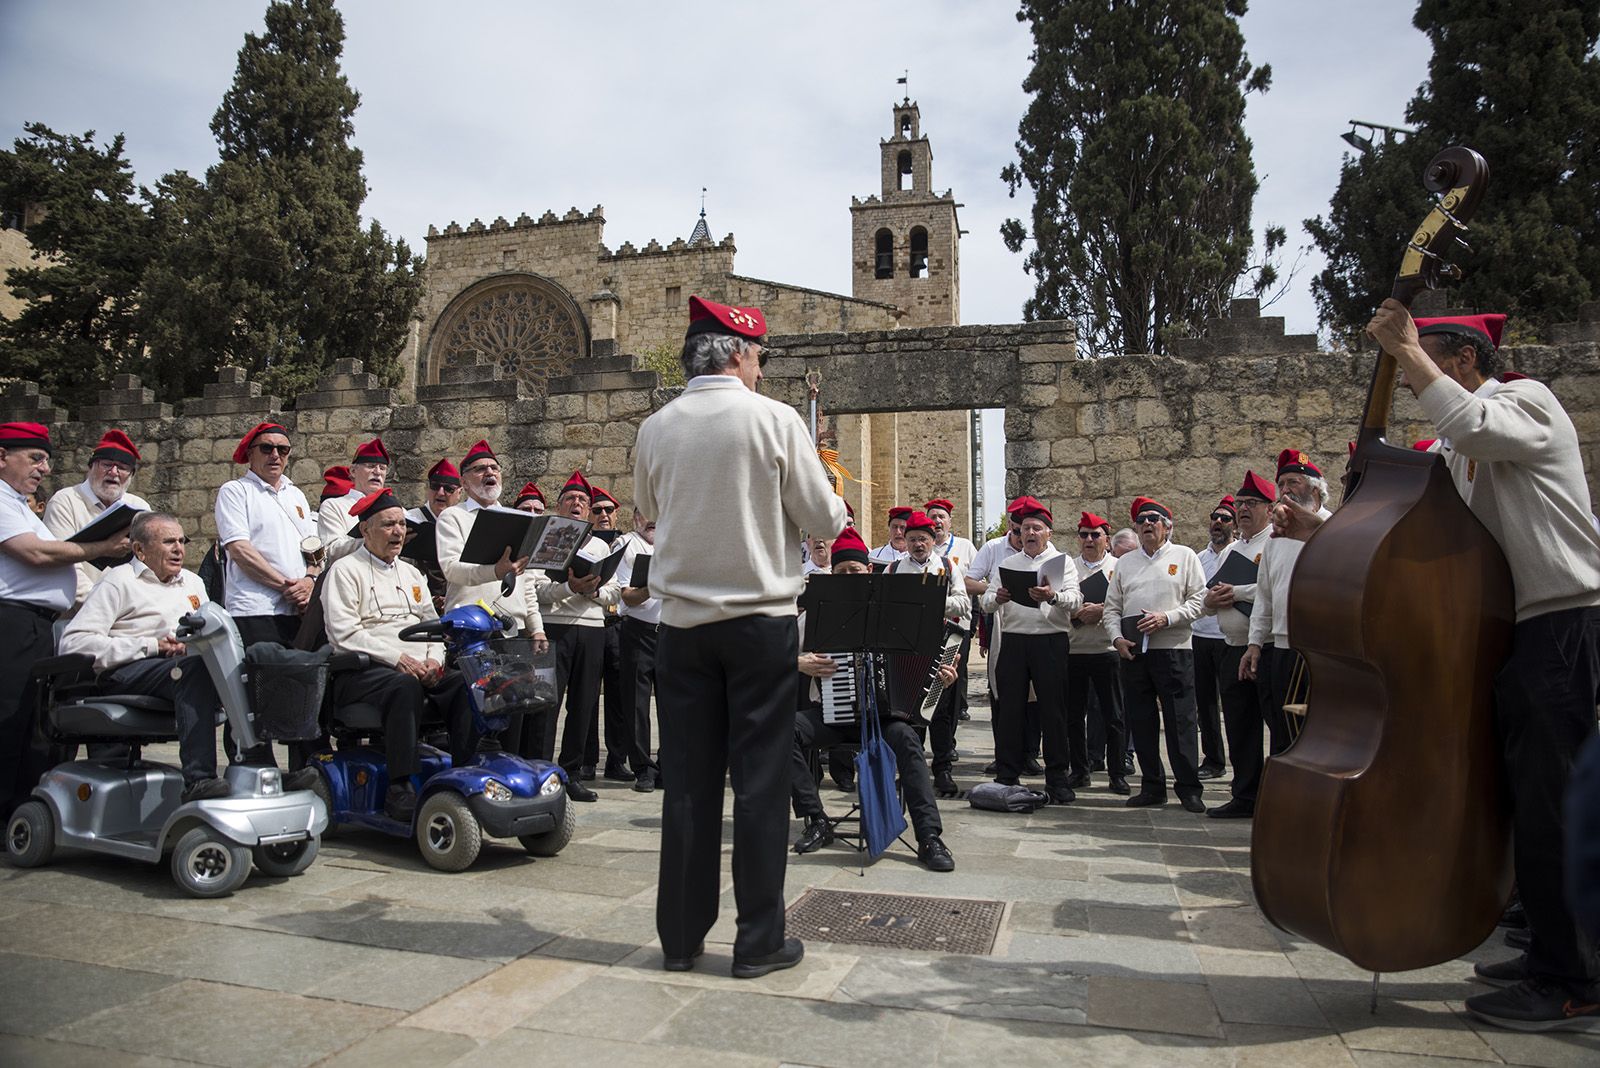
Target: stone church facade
{"type": "Point", "coordinates": [535, 296]}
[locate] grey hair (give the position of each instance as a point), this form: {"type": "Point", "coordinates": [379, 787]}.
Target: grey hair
{"type": "Point", "coordinates": [1125, 535]}
{"type": "Point", "coordinates": [1320, 487]}
{"type": "Point", "coordinates": [139, 531]}
{"type": "Point", "coordinates": [710, 354]}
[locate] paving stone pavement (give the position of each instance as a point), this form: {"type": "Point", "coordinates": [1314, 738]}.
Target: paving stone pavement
{"type": "Point", "coordinates": [1130, 937]}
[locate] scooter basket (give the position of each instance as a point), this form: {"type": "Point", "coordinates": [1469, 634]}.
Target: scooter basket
{"type": "Point", "coordinates": [509, 679]}
{"type": "Point", "coordinates": [286, 687]}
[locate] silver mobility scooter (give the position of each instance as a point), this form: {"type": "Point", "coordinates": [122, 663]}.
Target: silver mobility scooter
{"type": "Point", "coordinates": [132, 808]}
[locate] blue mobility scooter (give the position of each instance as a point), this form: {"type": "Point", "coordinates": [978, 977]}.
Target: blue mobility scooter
{"type": "Point", "coordinates": [128, 807]}
{"type": "Point", "coordinates": [494, 793]}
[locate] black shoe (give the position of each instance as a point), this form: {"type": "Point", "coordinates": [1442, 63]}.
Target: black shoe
{"type": "Point", "coordinates": [1210, 771]}
{"type": "Point", "coordinates": [205, 790]}
{"type": "Point", "coordinates": [991, 767]}
{"type": "Point", "coordinates": [576, 791]}
{"type": "Point", "coordinates": [1080, 781]}
{"type": "Point", "coordinates": [818, 833]}
{"type": "Point", "coordinates": [1514, 916]}
{"type": "Point", "coordinates": [1127, 764]}
{"type": "Point", "coordinates": [935, 855]}
{"type": "Point", "coordinates": [400, 802]}
{"type": "Point", "coordinates": [1237, 809]}
{"type": "Point", "coordinates": [1519, 938]}
{"type": "Point", "coordinates": [1119, 785]}
{"type": "Point", "coordinates": [962, 715]}
{"type": "Point", "coordinates": [586, 773]}
{"type": "Point", "coordinates": [842, 771]}
{"type": "Point", "coordinates": [1144, 797]}
{"type": "Point", "coordinates": [303, 779]}
{"type": "Point", "coordinates": [1192, 803]}
{"type": "Point", "coordinates": [787, 957]}
{"type": "Point", "coordinates": [1504, 973]}
{"type": "Point", "coordinates": [1031, 766]}
{"type": "Point", "coordinates": [1098, 765]}
{"type": "Point", "coordinates": [645, 781]}
{"type": "Point", "coordinates": [683, 964]}
{"type": "Point", "coordinates": [1061, 795]}
{"type": "Point", "coordinates": [619, 773]}
{"type": "Point", "coordinates": [944, 784]}
{"type": "Point", "coordinates": [1537, 1005]}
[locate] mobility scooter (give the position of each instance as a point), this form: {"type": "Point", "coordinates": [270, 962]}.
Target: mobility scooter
{"type": "Point", "coordinates": [493, 793]}
{"type": "Point", "coordinates": [129, 807]}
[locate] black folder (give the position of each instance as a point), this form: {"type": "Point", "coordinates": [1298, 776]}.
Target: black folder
{"type": "Point", "coordinates": [549, 541]}
{"type": "Point", "coordinates": [1019, 583]}
{"type": "Point", "coordinates": [582, 567]}
{"type": "Point", "coordinates": [108, 524]}
{"type": "Point", "coordinates": [607, 536]}
{"type": "Point", "coordinates": [640, 577]}
{"type": "Point", "coordinates": [875, 613]}
{"type": "Point", "coordinates": [422, 548]}
{"type": "Point", "coordinates": [1095, 587]}
{"type": "Point", "coordinates": [1237, 570]}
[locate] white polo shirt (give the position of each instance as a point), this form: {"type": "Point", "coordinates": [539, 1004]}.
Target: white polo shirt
{"type": "Point", "coordinates": [334, 523]}
{"type": "Point", "coordinates": [275, 521]}
{"type": "Point", "coordinates": [47, 587]}
{"type": "Point", "coordinates": [128, 612]}
{"type": "Point", "coordinates": [74, 508]}
{"type": "Point", "coordinates": [1207, 626]}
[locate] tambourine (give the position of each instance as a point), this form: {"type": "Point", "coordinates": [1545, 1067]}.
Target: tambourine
{"type": "Point", "coordinates": [312, 549]}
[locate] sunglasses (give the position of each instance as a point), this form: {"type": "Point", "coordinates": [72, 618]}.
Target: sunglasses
{"type": "Point", "coordinates": [1091, 534]}
{"type": "Point", "coordinates": [1220, 517]}
{"type": "Point", "coordinates": [603, 509]}
{"type": "Point", "coordinates": [265, 449]}
{"type": "Point", "coordinates": [1150, 517]}
{"type": "Point", "coordinates": [437, 486]}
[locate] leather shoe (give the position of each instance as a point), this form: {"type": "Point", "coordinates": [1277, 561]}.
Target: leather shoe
{"type": "Point", "coordinates": [400, 802]}
{"type": "Point", "coordinates": [1031, 766]}
{"type": "Point", "coordinates": [1119, 785]}
{"type": "Point", "coordinates": [586, 773]}
{"type": "Point", "coordinates": [1519, 938]}
{"type": "Point", "coordinates": [1079, 781]}
{"type": "Point", "coordinates": [576, 791]}
{"type": "Point", "coordinates": [991, 767]}
{"type": "Point", "coordinates": [619, 773]}
{"type": "Point", "coordinates": [755, 967]}
{"type": "Point", "coordinates": [935, 855]}
{"type": "Point", "coordinates": [818, 833]}
{"type": "Point", "coordinates": [683, 964]}
{"type": "Point", "coordinates": [1237, 809]}
{"type": "Point", "coordinates": [1503, 973]}
{"type": "Point", "coordinates": [1127, 764]}
{"type": "Point", "coordinates": [300, 779]}
{"type": "Point", "coordinates": [1209, 771]}
{"type": "Point", "coordinates": [1192, 803]}
{"type": "Point", "coordinates": [944, 784]}
{"type": "Point", "coordinates": [1145, 797]}
{"type": "Point", "coordinates": [1098, 765]}
{"type": "Point", "coordinates": [645, 781]}
{"type": "Point", "coordinates": [1061, 795]}
{"type": "Point", "coordinates": [206, 790]}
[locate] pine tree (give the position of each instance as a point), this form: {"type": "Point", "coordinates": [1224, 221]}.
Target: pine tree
{"type": "Point", "coordinates": [1521, 84]}
{"type": "Point", "coordinates": [269, 266]}
{"type": "Point", "coordinates": [91, 247]}
{"type": "Point", "coordinates": [1134, 147]}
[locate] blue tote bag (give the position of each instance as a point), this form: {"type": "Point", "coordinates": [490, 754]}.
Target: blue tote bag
{"type": "Point", "coordinates": [882, 820]}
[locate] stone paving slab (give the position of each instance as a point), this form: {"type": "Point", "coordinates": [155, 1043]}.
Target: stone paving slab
{"type": "Point", "coordinates": [1130, 938]}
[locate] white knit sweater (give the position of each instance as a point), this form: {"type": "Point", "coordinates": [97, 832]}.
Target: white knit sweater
{"type": "Point", "coordinates": [1170, 581]}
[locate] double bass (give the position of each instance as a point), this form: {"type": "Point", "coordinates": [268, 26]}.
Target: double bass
{"type": "Point", "coordinates": [1382, 833]}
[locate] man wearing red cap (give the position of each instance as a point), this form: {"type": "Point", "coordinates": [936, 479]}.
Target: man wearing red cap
{"type": "Point", "coordinates": [891, 550]}
{"type": "Point", "coordinates": [370, 596]}
{"type": "Point", "coordinates": [1209, 645]}
{"type": "Point", "coordinates": [957, 551]}
{"type": "Point", "coordinates": [1160, 588]}
{"type": "Point", "coordinates": [369, 472]}
{"type": "Point", "coordinates": [984, 564]}
{"type": "Point", "coordinates": [1232, 605]}
{"type": "Point", "coordinates": [731, 478]}
{"type": "Point", "coordinates": [619, 723]}
{"type": "Point", "coordinates": [1092, 667]}
{"type": "Point", "coordinates": [1033, 653]}
{"type": "Point", "coordinates": [1270, 660]}
{"type": "Point", "coordinates": [111, 469]}
{"type": "Point", "coordinates": [422, 548]}
{"type": "Point", "coordinates": [1515, 458]}
{"type": "Point", "coordinates": [641, 629]}
{"type": "Point", "coordinates": [36, 585]}
{"type": "Point", "coordinates": [530, 498]}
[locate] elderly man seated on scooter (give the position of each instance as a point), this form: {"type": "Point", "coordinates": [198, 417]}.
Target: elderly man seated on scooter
{"type": "Point", "coordinates": [368, 597]}
{"type": "Point", "coordinates": [127, 624]}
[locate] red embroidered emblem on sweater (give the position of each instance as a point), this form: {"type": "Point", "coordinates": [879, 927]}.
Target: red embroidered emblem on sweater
{"type": "Point", "coordinates": [1172, 569]}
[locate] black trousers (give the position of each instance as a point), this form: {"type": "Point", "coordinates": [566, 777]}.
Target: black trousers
{"type": "Point", "coordinates": [253, 630]}
{"type": "Point", "coordinates": [1241, 715]}
{"type": "Point", "coordinates": [619, 725]}
{"type": "Point", "coordinates": [1039, 659]}
{"type": "Point", "coordinates": [1544, 712]}
{"type": "Point", "coordinates": [1095, 673]}
{"type": "Point", "coordinates": [1274, 672]}
{"type": "Point", "coordinates": [194, 704]}
{"type": "Point", "coordinates": [1158, 687]}
{"type": "Point", "coordinates": [401, 697]}
{"type": "Point", "coordinates": [942, 724]}
{"type": "Point", "coordinates": [580, 653]}
{"type": "Point", "coordinates": [639, 641]}
{"type": "Point", "coordinates": [810, 734]}
{"type": "Point", "coordinates": [1208, 655]}
{"type": "Point", "coordinates": [24, 756]}
{"type": "Point", "coordinates": [725, 699]}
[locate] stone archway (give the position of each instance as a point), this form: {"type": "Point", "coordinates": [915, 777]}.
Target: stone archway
{"type": "Point", "coordinates": [527, 325]}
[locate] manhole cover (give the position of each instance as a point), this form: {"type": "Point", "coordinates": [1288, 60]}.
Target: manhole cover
{"type": "Point", "coordinates": [900, 921]}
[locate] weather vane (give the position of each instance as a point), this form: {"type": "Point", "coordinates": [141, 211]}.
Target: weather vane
{"type": "Point", "coordinates": [904, 80]}
{"type": "Point", "coordinates": [702, 202]}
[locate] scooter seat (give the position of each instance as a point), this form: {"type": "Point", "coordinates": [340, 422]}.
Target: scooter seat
{"type": "Point", "coordinates": [117, 716]}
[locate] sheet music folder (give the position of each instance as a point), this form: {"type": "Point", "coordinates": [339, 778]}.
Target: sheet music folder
{"type": "Point", "coordinates": [1237, 570]}
{"type": "Point", "coordinates": [876, 613]}
{"type": "Point", "coordinates": [107, 524]}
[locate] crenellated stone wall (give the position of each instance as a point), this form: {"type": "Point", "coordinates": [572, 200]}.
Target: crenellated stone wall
{"type": "Point", "coordinates": [1081, 434]}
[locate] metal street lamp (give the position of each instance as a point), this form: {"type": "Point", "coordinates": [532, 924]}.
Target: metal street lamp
{"type": "Point", "coordinates": [1364, 144]}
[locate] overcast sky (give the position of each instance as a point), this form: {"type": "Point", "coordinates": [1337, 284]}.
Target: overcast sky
{"type": "Point", "coordinates": [473, 109]}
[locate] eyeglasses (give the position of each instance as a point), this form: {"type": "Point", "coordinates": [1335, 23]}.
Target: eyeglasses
{"type": "Point", "coordinates": [1150, 517]}
{"type": "Point", "coordinates": [601, 509]}
{"type": "Point", "coordinates": [482, 469]}
{"type": "Point", "coordinates": [264, 448]}
{"type": "Point", "coordinates": [1091, 534]}
{"type": "Point", "coordinates": [116, 467]}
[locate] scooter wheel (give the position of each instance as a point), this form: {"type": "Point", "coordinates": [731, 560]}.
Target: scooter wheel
{"type": "Point", "coordinates": [281, 860]}
{"type": "Point", "coordinates": [206, 864]}
{"type": "Point", "coordinates": [554, 841]}
{"type": "Point", "coordinates": [324, 793]}
{"type": "Point", "coordinates": [447, 832]}
{"type": "Point", "coordinates": [31, 835]}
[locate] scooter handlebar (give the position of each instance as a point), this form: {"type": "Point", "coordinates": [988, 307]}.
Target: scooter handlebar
{"type": "Point", "coordinates": [427, 631]}
{"type": "Point", "coordinates": [189, 625]}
